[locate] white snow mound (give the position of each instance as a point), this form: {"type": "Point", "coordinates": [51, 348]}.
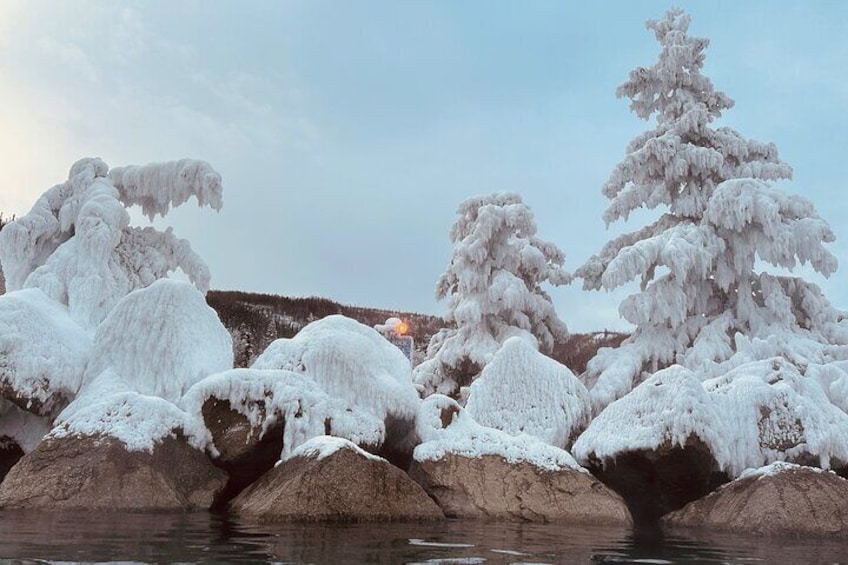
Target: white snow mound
{"type": "Point", "coordinates": [160, 340]}
{"type": "Point", "coordinates": [349, 361]}
{"type": "Point", "coordinates": [523, 391]}
{"type": "Point", "coordinates": [266, 397]}
{"type": "Point", "coordinates": [445, 427]}
{"type": "Point", "coordinates": [43, 353]}
{"type": "Point", "coordinates": [666, 409]}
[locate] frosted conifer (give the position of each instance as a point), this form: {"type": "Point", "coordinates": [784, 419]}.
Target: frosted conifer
{"type": "Point", "coordinates": [494, 290]}
{"type": "Point", "coordinates": [702, 302]}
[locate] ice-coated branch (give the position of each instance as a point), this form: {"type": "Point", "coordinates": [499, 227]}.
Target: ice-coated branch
{"type": "Point", "coordinates": [157, 187]}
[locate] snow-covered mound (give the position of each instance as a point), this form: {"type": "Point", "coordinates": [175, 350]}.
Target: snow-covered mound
{"type": "Point", "coordinates": [523, 391]}
{"type": "Point", "coordinates": [160, 340]}
{"type": "Point", "coordinates": [757, 414]}
{"type": "Point", "coordinates": [351, 362]}
{"type": "Point", "coordinates": [76, 243]}
{"type": "Point", "coordinates": [773, 413]}
{"type": "Point", "coordinates": [43, 353]}
{"type": "Point", "coordinates": [139, 421]}
{"type": "Point", "coordinates": [266, 397]}
{"type": "Point", "coordinates": [155, 344]}
{"type": "Point", "coordinates": [665, 410]}
{"type": "Point", "coordinates": [445, 427]}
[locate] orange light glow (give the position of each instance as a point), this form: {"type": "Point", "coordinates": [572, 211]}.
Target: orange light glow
{"type": "Point", "coordinates": [402, 328]}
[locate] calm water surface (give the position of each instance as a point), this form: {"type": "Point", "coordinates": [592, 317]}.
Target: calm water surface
{"type": "Point", "coordinates": [61, 537]}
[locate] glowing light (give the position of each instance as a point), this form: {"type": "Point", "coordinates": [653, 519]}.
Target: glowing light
{"type": "Point", "coordinates": [401, 328]}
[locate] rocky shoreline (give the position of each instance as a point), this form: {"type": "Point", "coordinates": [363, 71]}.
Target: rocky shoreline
{"type": "Point", "coordinates": [330, 479]}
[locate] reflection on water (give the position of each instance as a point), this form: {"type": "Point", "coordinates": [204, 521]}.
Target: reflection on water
{"type": "Point", "coordinates": [38, 537]}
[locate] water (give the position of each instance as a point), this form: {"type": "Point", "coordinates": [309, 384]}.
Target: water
{"type": "Point", "coordinates": [29, 537]}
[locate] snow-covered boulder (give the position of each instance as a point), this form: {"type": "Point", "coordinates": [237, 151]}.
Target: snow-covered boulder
{"type": "Point", "coordinates": [331, 479]}
{"type": "Point", "coordinates": [479, 472]}
{"type": "Point", "coordinates": [125, 420]}
{"type": "Point", "coordinates": [159, 341]}
{"type": "Point", "coordinates": [523, 391]}
{"type": "Point", "coordinates": [778, 499]}
{"type": "Point", "coordinates": [152, 347]}
{"type": "Point", "coordinates": [87, 472]}
{"type": "Point", "coordinates": [43, 353]}
{"type": "Point", "coordinates": [661, 446]}
{"type": "Point", "coordinates": [355, 365]}
{"type": "Point", "coordinates": [773, 413]}
{"type": "Point", "coordinates": [258, 416]}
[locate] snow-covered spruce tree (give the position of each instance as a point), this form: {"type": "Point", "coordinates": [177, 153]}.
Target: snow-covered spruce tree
{"type": "Point", "coordinates": [77, 246]}
{"type": "Point", "coordinates": [703, 303]}
{"type": "Point", "coordinates": [494, 291]}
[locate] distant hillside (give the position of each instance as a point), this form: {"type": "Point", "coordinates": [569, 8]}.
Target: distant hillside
{"type": "Point", "coordinates": [255, 320]}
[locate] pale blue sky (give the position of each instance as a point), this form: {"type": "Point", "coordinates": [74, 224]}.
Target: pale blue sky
{"type": "Point", "coordinates": [347, 132]}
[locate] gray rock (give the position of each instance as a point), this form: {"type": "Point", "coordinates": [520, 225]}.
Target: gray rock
{"type": "Point", "coordinates": [345, 486]}
{"type": "Point", "coordinates": [794, 500]}
{"type": "Point", "coordinates": [99, 473]}
{"type": "Point", "coordinates": [493, 488]}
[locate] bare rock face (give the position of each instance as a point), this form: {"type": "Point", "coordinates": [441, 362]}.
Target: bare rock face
{"type": "Point", "coordinates": [99, 473]}
{"type": "Point", "coordinates": [789, 499]}
{"type": "Point", "coordinates": [245, 453]}
{"type": "Point", "coordinates": [655, 482]}
{"type": "Point", "coordinates": [346, 485]}
{"type": "Point", "coordinates": [491, 487]}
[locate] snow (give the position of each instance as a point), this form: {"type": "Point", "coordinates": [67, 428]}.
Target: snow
{"type": "Point", "coordinates": [702, 303]}
{"type": "Point", "coordinates": [667, 409]}
{"type": "Point", "coordinates": [155, 344]}
{"type": "Point", "coordinates": [523, 391]}
{"type": "Point", "coordinates": [494, 290]}
{"type": "Point", "coordinates": [756, 414]}
{"type": "Point", "coordinates": [160, 340]}
{"type": "Point", "coordinates": [77, 246]}
{"type": "Point", "coordinates": [24, 428]}
{"type": "Point", "coordinates": [323, 446]}
{"type": "Point", "coordinates": [776, 468]}
{"type": "Point", "coordinates": [158, 186]}
{"type": "Point", "coordinates": [773, 413]}
{"type": "Point", "coordinates": [350, 362]}
{"type": "Point", "coordinates": [465, 437]}
{"type": "Point", "coordinates": [265, 397]}
{"type": "Point", "coordinates": [139, 421]}
{"type": "Point", "coordinates": [43, 353]}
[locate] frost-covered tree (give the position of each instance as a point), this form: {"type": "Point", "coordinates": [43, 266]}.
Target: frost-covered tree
{"type": "Point", "coordinates": [77, 246]}
{"type": "Point", "coordinates": [73, 263]}
{"type": "Point", "coordinates": [703, 302]}
{"type": "Point", "coordinates": [494, 290]}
